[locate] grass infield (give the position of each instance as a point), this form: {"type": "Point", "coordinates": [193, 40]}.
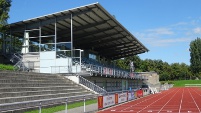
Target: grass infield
{"type": "Point", "coordinates": [181, 83]}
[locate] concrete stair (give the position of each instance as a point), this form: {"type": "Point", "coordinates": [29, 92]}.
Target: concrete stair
{"type": "Point", "coordinates": [24, 86]}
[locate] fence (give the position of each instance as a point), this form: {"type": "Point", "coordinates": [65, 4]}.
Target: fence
{"type": "Point", "coordinates": [91, 85]}
{"type": "Point", "coordinates": [166, 86]}
{"type": "Point", "coordinates": [20, 106]}
{"type": "Point", "coordinates": [114, 98]}
{"type": "Point", "coordinates": [111, 71]}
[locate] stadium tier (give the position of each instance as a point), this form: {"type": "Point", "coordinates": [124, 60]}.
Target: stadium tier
{"type": "Point", "coordinates": [80, 41]}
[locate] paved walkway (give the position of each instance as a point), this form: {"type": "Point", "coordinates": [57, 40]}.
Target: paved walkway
{"type": "Point", "coordinates": [89, 109]}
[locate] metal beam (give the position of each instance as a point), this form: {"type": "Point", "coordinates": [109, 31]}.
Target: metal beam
{"type": "Point", "coordinates": [102, 42]}
{"type": "Point", "coordinates": [119, 50]}
{"type": "Point", "coordinates": [123, 56]}
{"type": "Point", "coordinates": [126, 53]}
{"type": "Point", "coordinates": [97, 38]}
{"type": "Point", "coordinates": [49, 20]}
{"type": "Point", "coordinates": [71, 21]}
{"type": "Point", "coordinates": [92, 32]}
{"type": "Point", "coordinates": [113, 46]}
{"type": "Point", "coordinates": [76, 29]}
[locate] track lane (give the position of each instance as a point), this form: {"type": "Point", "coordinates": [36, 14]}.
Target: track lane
{"type": "Point", "coordinates": [157, 105]}
{"type": "Point", "coordinates": [138, 105]}
{"type": "Point", "coordinates": [175, 100]}
{"type": "Point", "coordinates": [173, 104]}
{"type": "Point", "coordinates": [196, 100]}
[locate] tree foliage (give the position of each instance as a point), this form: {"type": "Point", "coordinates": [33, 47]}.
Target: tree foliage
{"type": "Point", "coordinates": [195, 53]}
{"type": "Point", "coordinates": [4, 9]}
{"type": "Point", "coordinates": [174, 71]}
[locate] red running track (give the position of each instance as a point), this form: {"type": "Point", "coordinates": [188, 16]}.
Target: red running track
{"type": "Point", "coordinates": [174, 100]}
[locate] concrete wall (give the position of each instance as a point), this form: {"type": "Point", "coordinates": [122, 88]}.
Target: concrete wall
{"type": "Point", "coordinates": [152, 80]}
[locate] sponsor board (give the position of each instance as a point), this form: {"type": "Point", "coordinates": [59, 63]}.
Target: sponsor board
{"type": "Point", "coordinates": [116, 98]}
{"type": "Point", "coordinates": [139, 93]}
{"type": "Point", "coordinates": [100, 102]}
{"type": "Point", "coordinates": [122, 97]}
{"type": "Point", "coordinates": [108, 100]}
{"type": "Point", "coordinates": [131, 95]}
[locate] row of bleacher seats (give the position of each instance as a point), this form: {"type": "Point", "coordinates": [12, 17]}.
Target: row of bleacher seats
{"type": "Point", "coordinates": [97, 67]}
{"type": "Point", "coordinates": [95, 62]}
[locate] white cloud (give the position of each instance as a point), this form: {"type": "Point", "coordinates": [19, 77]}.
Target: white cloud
{"type": "Point", "coordinates": [179, 24]}
{"type": "Point", "coordinates": [167, 42]}
{"type": "Point", "coordinates": [197, 30]}
{"type": "Point", "coordinates": [180, 32]}
{"type": "Point", "coordinates": [161, 31]}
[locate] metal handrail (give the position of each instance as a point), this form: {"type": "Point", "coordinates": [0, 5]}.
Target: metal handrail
{"type": "Point", "coordinates": [112, 71]}
{"type": "Point", "coordinates": [43, 102]}
{"type": "Point", "coordinates": [91, 85]}
{"type": "Point", "coordinates": [17, 59]}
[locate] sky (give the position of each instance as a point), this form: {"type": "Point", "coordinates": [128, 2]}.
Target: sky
{"type": "Point", "coordinates": [165, 27]}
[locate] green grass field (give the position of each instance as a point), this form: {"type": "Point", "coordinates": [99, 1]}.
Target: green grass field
{"type": "Point", "coordinates": [181, 83]}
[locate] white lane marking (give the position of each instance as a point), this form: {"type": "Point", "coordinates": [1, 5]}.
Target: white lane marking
{"type": "Point", "coordinates": [156, 101]}
{"type": "Point", "coordinates": [168, 102]}
{"type": "Point", "coordinates": [181, 101]}
{"type": "Point", "coordinates": [113, 110]}
{"type": "Point", "coordinates": [145, 99]}
{"type": "Point", "coordinates": [194, 101]}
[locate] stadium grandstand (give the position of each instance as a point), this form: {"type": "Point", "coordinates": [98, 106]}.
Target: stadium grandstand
{"type": "Point", "coordinates": [79, 43]}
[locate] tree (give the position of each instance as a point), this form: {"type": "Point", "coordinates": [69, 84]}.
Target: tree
{"type": "Point", "coordinates": [195, 53]}
{"type": "Point", "coordinates": [5, 8]}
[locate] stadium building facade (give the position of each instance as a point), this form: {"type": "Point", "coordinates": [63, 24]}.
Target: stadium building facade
{"type": "Point", "coordinates": [82, 41]}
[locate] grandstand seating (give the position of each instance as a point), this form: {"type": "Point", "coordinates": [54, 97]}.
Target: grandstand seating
{"type": "Point", "coordinates": [21, 86]}
{"type": "Point", "coordinates": [98, 67]}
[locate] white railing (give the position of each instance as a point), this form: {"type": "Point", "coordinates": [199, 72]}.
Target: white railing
{"type": "Point", "coordinates": [21, 65]}
{"type": "Point", "coordinates": [39, 104]}
{"type": "Point", "coordinates": [91, 85]}
{"type": "Point", "coordinates": [166, 86]}
{"type": "Point", "coordinates": [111, 71]}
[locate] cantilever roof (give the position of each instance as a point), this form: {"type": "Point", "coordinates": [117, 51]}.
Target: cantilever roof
{"type": "Point", "coordinates": [93, 28]}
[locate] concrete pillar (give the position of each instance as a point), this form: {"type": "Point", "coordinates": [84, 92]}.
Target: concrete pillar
{"type": "Point", "coordinates": [25, 48]}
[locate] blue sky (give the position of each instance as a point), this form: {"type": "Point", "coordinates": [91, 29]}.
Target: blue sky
{"type": "Point", "coordinates": [165, 27]}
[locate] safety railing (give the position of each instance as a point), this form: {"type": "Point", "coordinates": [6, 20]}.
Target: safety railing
{"type": "Point", "coordinates": [39, 104]}
{"type": "Point", "coordinates": [166, 86]}
{"type": "Point", "coordinates": [111, 71]}
{"type": "Point", "coordinates": [91, 85]}
{"type": "Point", "coordinates": [21, 65]}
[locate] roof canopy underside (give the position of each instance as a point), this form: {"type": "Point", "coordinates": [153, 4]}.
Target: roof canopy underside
{"type": "Point", "coordinates": [93, 29]}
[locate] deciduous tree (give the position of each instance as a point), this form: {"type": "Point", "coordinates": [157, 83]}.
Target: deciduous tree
{"type": "Point", "coordinates": [195, 53]}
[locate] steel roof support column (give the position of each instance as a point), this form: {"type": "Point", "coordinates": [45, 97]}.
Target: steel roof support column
{"type": "Point", "coordinates": [71, 23]}
{"type": "Point", "coordinates": [55, 35]}
{"type": "Point", "coordinates": [40, 36]}
{"type": "Point", "coordinates": [11, 44]}
{"type": "Point", "coordinates": [55, 41]}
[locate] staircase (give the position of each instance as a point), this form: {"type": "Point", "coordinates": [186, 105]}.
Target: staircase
{"type": "Point", "coordinates": [22, 87]}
